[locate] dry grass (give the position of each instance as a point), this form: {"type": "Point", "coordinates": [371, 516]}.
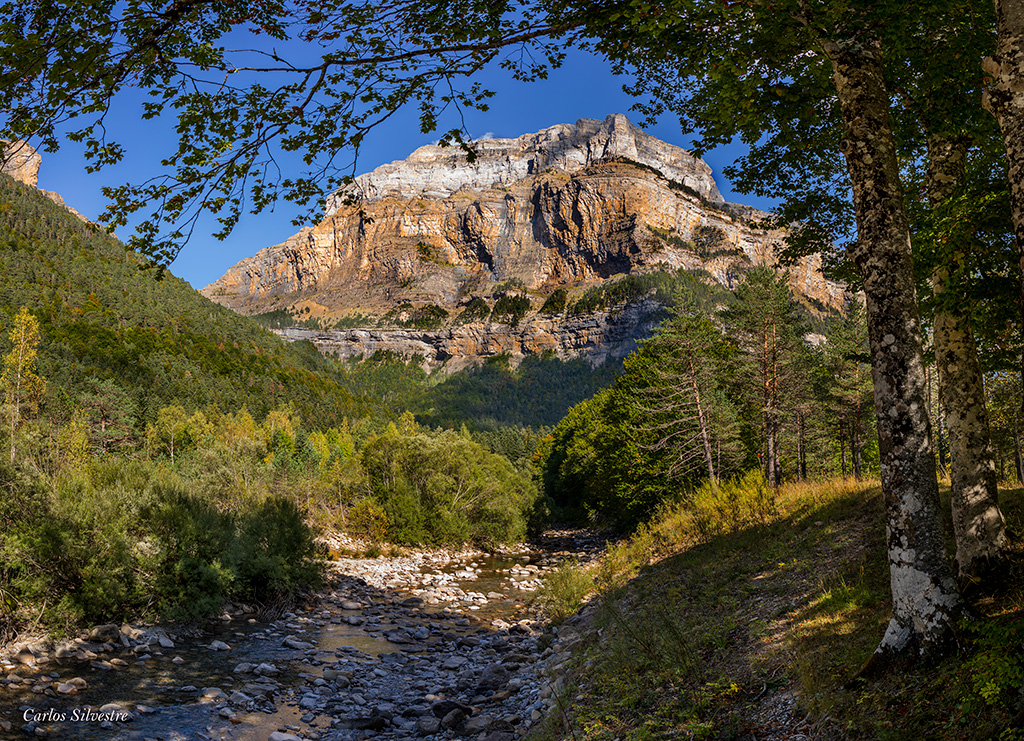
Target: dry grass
{"type": "Point", "coordinates": [728, 604]}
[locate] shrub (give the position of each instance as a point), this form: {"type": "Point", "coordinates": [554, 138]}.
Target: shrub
{"type": "Point", "coordinates": [368, 519]}
{"type": "Point", "coordinates": [116, 539]}
{"type": "Point", "coordinates": [729, 505]}
{"type": "Point", "coordinates": [556, 302]}
{"type": "Point", "coordinates": [563, 590]}
{"type": "Point", "coordinates": [476, 309]}
{"type": "Point", "coordinates": [510, 308]}
{"type": "Point", "coordinates": [427, 317]}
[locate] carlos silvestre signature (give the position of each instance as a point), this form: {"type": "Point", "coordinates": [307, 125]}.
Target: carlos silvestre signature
{"type": "Point", "coordinates": [76, 715]}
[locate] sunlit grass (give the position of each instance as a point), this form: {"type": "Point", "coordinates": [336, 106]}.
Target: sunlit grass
{"type": "Point", "coordinates": [732, 594]}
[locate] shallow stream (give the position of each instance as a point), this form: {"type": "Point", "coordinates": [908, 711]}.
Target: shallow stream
{"type": "Point", "coordinates": [399, 645]}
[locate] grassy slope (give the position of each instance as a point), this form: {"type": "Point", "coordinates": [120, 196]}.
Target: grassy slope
{"type": "Point", "coordinates": [716, 639]}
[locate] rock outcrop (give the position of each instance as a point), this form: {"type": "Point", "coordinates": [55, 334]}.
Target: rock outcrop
{"type": "Point", "coordinates": [438, 172]}
{"type": "Point", "coordinates": [21, 161]}
{"type": "Point", "coordinates": [567, 207]}
{"type": "Point", "coordinates": [597, 337]}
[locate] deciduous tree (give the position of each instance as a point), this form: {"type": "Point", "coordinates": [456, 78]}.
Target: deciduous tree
{"type": "Point", "coordinates": [22, 385]}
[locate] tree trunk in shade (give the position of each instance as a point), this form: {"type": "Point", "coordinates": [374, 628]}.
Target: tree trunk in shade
{"type": "Point", "coordinates": [1004, 98]}
{"type": "Point", "coordinates": [977, 520]}
{"type": "Point", "coordinates": [925, 598]}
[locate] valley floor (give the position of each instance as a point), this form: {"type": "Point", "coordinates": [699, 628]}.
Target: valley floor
{"type": "Point", "coordinates": [423, 644]}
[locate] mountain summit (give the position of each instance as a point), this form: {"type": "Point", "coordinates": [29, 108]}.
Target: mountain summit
{"type": "Point", "coordinates": [568, 208]}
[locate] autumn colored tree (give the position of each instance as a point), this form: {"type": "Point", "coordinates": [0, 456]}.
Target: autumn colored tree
{"type": "Point", "coordinates": [23, 386]}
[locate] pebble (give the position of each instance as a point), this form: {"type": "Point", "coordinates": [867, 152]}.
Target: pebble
{"type": "Point", "coordinates": [440, 665]}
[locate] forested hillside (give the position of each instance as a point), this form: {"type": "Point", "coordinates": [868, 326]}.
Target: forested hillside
{"type": "Point", "coordinates": [113, 336]}
{"type": "Point", "coordinates": [162, 454]}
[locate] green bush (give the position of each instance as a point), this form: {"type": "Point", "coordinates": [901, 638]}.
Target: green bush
{"type": "Point", "coordinates": [510, 308]}
{"type": "Point", "coordinates": [368, 519]}
{"type": "Point", "coordinates": [563, 590]}
{"type": "Point", "coordinates": [445, 488]}
{"type": "Point", "coordinates": [476, 309]}
{"type": "Point", "coordinates": [116, 539]}
{"type": "Point", "coordinates": [556, 302]}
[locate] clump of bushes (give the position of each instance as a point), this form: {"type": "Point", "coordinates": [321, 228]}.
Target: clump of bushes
{"type": "Point", "coordinates": [115, 539]}
{"type": "Point", "coordinates": [476, 309]}
{"type": "Point", "coordinates": [555, 303]}
{"type": "Point", "coordinates": [443, 488]}
{"type": "Point", "coordinates": [510, 308]}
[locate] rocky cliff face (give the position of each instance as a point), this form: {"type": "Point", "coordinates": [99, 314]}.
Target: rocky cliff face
{"type": "Point", "coordinates": [597, 337]}
{"type": "Point", "coordinates": [567, 207]}
{"type": "Point", "coordinates": [21, 161]}
{"type": "Point", "coordinates": [439, 172]}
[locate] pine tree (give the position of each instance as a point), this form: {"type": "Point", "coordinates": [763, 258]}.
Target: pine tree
{"type": "Point", "coordinates": [768, 330]}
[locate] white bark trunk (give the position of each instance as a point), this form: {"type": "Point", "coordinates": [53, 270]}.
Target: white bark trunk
{"type": "Point", "coordinates": [925, 598]}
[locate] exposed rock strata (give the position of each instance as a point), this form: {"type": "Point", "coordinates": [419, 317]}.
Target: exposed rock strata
{"type": "Point", "coordinates": [596, 337]}
{"type": "Point", "coordinates": [21, 161]}
{"type": "Point", "coordinates": [438, 172]}
{"type": "Point", "coordinates": [568, 207]}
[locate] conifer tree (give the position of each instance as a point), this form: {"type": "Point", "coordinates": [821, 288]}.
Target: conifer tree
{"type": "Point", "coordinates": [678, 404]}
{"type": "Point", "coordinates": [769, 332]}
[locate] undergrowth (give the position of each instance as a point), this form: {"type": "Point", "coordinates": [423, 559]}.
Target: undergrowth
{"type": "Point", "coordinates": [738, 597]}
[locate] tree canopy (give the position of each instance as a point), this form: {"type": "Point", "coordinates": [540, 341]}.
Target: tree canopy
{"type": "Point", "coordinates": [247, 82]}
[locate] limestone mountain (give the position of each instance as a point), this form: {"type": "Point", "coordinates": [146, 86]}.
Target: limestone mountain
{"type": "Point", "coordinates": [419, 253]}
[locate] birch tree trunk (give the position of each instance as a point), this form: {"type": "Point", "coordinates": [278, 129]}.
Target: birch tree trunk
{"type": "Point", "coordinates": [977, 520]}
{"type": "Point", "coordinates": [925, 599]}
{"type": "Point", "coordinates": [1004, 98]}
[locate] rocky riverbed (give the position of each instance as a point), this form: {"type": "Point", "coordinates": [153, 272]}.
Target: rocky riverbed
{"type": "Point", "coordinates": [429, 645]}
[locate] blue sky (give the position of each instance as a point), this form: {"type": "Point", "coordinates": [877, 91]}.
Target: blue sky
{"type": "Point", "coordinates": [582, 88]}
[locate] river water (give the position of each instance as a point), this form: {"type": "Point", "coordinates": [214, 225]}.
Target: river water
{"type": "Point", "coordinates": [401, 639]}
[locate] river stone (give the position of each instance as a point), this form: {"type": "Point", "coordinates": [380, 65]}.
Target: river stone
{"type": "Point", "coordinates": [354, 620]}
{"type": "Point", "coordinates": [370, 723]}
{"type": "Point", "coordinates": [308, 702]}
{"type": "Point", "coordinates": [266, 670]}
{"type": "Point", "coordinates": [212, 694]}
{"type": "Point", "coordinates": [442, 708]}
{"type": "Point", "coordinates": [219, 646]}
{"type": "Point", "coordinates": [165, 642]}
{"type": "Point", "coordinates": [25, 657]}
{"type": "Point", "coordinates": [279, 736]}
{"type": "Point", "coordinates": [66, 688]}
{"type": "Point", "coordinates": [113, 707]}
{"type": "Point", "coordinates": [227, 713]}
{"type": "Point", "coordinates": [499, 736]}
{"type": "Point", "coordinates": [239, 698]}
{"type": "Point", "coordinates": [428, 725]}
{"type": "Point", "coordinates": [350, 605]}
{"type": "Point", "coordinates": [105, 633]}
{"type": "Point", "coordinates": [493, 677]}
{"type": "Point", "coordinates": [244, 668]}
{"type": "Point", "coordinates": [293, 642]}
{"type": "Point", "coordinates": [452, 719]}
{"type": "Point", "coordinates": [478, 724]}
